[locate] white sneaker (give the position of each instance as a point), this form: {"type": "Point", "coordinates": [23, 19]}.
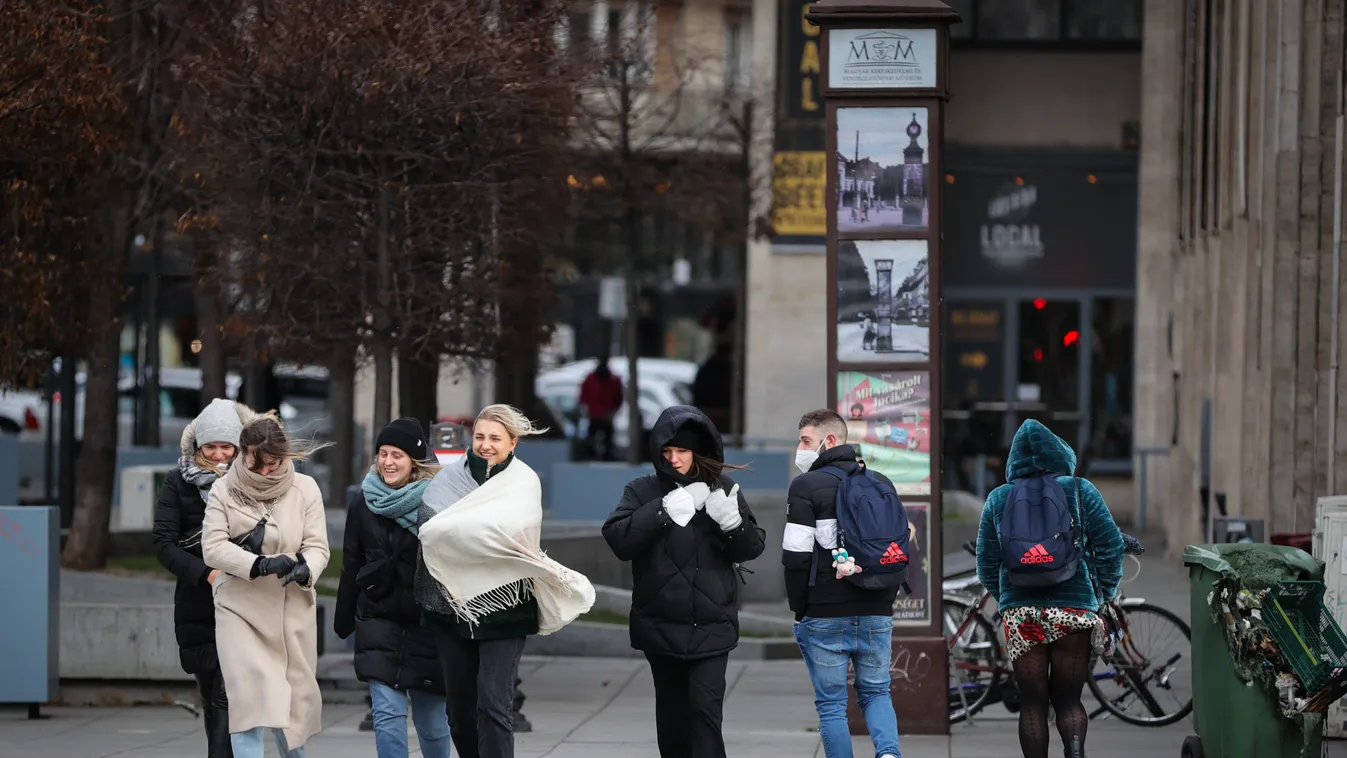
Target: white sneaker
{"type": "Point", "coordinates": [888, 755]}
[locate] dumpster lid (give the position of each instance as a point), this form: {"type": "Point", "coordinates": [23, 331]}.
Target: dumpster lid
{"type": "Point", "coordinates": [1258, 565]}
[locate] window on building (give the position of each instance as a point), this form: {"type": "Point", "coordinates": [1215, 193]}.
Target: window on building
{"type": "Point", "coordinates": [1020, 20]}
{"type": "Point", "coordinates": [738, 50]}
{"type": "Point", "coordinates": [1111, 372]}
{"type": "Point", "coordinates": [1103, 19]}
{"type": "Point", "coordinates": [1050, 23]}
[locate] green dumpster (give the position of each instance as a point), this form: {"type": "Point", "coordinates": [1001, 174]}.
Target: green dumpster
{"type": "Point", "coordinates": [1235, 709]}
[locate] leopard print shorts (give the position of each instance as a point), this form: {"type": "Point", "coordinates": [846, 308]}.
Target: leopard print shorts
{"type": "Point", "coordinates": [1030, 625]}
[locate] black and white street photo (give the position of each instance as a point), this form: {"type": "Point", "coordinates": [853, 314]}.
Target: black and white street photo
{"type": "Point", "coordinates": [882, 156]}
{"type": "Point", "coordinates": [883, 301]}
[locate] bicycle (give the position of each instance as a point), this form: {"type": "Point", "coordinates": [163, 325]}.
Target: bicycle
{"type": "Point", "coordinates": [981, 671]}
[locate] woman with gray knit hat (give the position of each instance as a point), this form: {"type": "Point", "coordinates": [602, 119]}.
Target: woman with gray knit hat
{"type": "Point", "coordinates": [209, 444]}
{"type": "Point", "coordinates": [375, 600]}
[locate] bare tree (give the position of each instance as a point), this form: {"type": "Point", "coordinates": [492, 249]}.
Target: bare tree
{"type": "Point", "coordinates": [385, 168]}
{"type": "Point", "coordinates": [659, 130]}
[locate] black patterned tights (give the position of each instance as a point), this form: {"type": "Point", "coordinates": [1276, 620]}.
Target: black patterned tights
{"type": "Point", "coordinates": [1053, 675]}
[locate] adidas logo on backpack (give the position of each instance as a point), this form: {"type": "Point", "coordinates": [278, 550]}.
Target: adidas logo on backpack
{"type": "Point", "coordinates": [1036, 554]}
{"type": "Point", "coordinates": [872, 527]}
{"type": "Point", "coordinates": [1038, 525]}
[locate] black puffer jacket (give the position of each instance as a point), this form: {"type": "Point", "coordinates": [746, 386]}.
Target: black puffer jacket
{"type": "Point", "coordinates": [390, 645]}
{"type": "Point", "coordinates": [684, 601]}
{"type": "Point", "coordinates": [177, 517]}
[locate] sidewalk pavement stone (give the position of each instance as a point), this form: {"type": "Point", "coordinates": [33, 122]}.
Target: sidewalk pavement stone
{"type": "Point", "coordinates": [580, 708]}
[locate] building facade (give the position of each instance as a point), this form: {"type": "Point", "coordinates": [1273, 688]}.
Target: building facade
{"type": "Point", "coordinates": [1240, 271]}
{"type": "Point", "coordinates": [1039, 191]}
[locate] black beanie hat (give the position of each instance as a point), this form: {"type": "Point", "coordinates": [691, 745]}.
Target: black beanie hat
{"type": "Point", "coordinates": [689, 437]}
{"type": "Point", "coordinates": [406, 435]}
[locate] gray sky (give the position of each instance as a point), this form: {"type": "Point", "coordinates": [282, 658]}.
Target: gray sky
{"type": "Point", "coordinates": [883, 132]}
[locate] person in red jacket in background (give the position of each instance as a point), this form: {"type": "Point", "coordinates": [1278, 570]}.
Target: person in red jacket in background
{"type": "Point", "coordinates": [601, 397]}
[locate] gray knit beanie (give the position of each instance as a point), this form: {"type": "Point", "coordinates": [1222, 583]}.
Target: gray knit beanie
{"type": "Point", "coordinates": [219, 422]}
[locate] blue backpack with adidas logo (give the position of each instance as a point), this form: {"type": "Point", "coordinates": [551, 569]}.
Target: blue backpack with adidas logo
{"type": "Point", "coordinates": [872, 527]}
{"type": "Point", "coordinates": [1039, 535]}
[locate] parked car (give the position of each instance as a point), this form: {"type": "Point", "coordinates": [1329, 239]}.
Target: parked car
{"type": "Point", "coordinates": [179, 403]}
{"type": "Point", "coordinates": [19, 411]}
{"type": "Point", "coordinates": [662, 383]}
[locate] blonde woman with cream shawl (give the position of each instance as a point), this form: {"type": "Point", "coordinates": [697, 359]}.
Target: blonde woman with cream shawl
{"type": "Point", "coordinates": [484, 583]}
{"type": "Point", "coordinates": [266, 531]}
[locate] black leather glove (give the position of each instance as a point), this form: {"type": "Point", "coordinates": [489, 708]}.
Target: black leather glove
{"type": "Point", "coordinates": [267, 565]}
{"type": "Point", "coordinates": [300, 573]}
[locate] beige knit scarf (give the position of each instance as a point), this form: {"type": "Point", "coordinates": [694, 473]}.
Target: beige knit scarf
{"type": "Point", "coordinates": [249, 487]}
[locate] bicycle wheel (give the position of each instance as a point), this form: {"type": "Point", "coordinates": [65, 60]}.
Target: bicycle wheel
{"type": "Point", "coordinates": [974, 658]}
{"type": "Point", "coordinates": [1148, 680]}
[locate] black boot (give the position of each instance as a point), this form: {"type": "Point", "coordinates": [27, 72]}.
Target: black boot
{"type": "Point", "coordinates": [216, 708]}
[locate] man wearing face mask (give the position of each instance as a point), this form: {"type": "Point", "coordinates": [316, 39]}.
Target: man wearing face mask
{"type": "Point", "coordinates": [829, 610]}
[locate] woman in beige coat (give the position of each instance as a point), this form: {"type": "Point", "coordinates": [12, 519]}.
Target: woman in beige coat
{"type": "Point", "coordinates": [266, 531]}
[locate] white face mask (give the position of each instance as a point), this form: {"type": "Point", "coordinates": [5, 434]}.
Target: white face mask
{"type": "Point", "coordinates": [804, 459]}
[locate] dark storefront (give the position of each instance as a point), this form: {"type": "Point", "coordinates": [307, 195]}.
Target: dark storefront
{"type": "Point", "coordinates": [1040, 288]}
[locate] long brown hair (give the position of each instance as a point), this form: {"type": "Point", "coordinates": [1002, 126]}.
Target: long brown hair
{"type": "Point", "coordinates": [264, 437]}
{"type": "Point", "coordinates": [709, 470]}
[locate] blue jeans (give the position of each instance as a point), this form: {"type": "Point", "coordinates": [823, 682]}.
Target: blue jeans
{"type": "Point", "coordinates": [429, 713]}
{"type": "Point", "coordinates": [865, 642]}
{"type": "Point", "coordinates": [249, 744]}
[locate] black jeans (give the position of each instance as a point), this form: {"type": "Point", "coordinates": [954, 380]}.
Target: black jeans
{"type": "Point", "coordinates": [689, 705]}
{"type": "Point", "coordinates": [215, 707]}
{"type": "Point", "coordinates": [479, 676]}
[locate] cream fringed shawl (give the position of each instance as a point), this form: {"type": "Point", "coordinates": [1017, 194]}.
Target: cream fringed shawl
{"type": "Point", "coordinates": [484, 547]}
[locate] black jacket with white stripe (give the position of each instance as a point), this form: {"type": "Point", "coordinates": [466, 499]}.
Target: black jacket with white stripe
{"type": "Point", "coordinates": [811, 526]}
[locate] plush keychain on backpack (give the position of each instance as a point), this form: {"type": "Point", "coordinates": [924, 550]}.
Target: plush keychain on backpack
{"type": "Point", "coordinates": [844, 563]}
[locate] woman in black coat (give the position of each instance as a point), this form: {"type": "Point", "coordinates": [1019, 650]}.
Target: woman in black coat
{"type": "Point", "coordinates": [393, 654]}
{"type": "Point", "coordinates": [685, 528]}
{"type": "Point", "coordinates": [209, 444]}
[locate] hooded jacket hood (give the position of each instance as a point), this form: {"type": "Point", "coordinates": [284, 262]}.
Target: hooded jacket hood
{"type": "Point", "coordinates": [669, 423]}
{"type": "Point", "coordinates": [1036, 449]}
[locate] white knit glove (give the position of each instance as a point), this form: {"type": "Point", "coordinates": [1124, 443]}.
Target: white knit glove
{"type": "Point", "coordinates": [682, 503]}
{"type": "Point", "coordinates": [724, 508]}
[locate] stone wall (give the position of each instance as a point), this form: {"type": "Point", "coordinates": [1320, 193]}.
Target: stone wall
{"type": "Point", "coordinates": [1240, 259]}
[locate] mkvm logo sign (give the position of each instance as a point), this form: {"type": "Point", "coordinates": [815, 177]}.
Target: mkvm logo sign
{"type": "Point", "coordinates": [882, 58]}
{"type": "Point", "coordinates": [881, 50]}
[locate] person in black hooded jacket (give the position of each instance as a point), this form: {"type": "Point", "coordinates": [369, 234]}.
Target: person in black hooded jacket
{"type": "Point", "coordinates": [684, 529]}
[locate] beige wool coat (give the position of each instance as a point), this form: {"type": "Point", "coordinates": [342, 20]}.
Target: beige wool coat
{"type": "Point", "coordinates": [266, 634]}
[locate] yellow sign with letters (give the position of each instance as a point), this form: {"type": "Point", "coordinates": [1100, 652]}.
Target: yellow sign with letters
{"type": "Point", "coordinates": [799, 191]}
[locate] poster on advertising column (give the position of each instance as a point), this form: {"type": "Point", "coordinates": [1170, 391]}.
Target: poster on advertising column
{"type": "Point", "coordinates": [915, 609]}
{"type": "Point", "coordinates": [883, 301]}
{"type": "Point", "coordinates": [888, 418]}
{"type": "Point", "coordinates": [882, 170]}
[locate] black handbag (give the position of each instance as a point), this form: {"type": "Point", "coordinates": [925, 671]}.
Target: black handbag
{"type": "Point", "coordinates": [251, 540]}
{"type": "Point", "coordinates": [378, 577]}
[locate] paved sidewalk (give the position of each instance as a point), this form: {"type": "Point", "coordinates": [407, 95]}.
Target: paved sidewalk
{"type": "Point", "coordinates": [580, 708]}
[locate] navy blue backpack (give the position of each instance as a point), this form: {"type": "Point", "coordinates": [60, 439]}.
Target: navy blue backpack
{"type": "Point", "coordinates": [872, 527]}
{"type": "Point", "coordinates": [1039, 535]}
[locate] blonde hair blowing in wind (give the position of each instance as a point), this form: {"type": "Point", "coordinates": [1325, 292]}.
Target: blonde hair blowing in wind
{"type": "Point", "coordinates": [515, 422]}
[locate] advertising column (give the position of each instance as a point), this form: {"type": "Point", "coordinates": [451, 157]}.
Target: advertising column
{"type": "Point", "coordinates": [884, 83]}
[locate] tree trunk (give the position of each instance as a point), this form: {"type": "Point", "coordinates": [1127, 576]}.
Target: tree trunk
{"type": "Point", "coordinates": [87, 547]}
{"type": "Point", "coordinates": [635, 424]}
{"type": "Point", "coordinates": [341, 400]}
{"type": "Point", "coordinates": [383, 347]}
{"type": "Point", "coordinates": [208, 326]}
{"type": "Point", "coordinates": [417, 391]}
{"type": "Point", "coordinates": [741, 289]}
{"type": "Point", "coordinates": [632, 228]}
{"type": "Point", "coordinates": [153, 355]}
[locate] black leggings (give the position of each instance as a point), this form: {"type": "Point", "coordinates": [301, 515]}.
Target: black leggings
{"type": "Point", "coordinates": [1054, 675]}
